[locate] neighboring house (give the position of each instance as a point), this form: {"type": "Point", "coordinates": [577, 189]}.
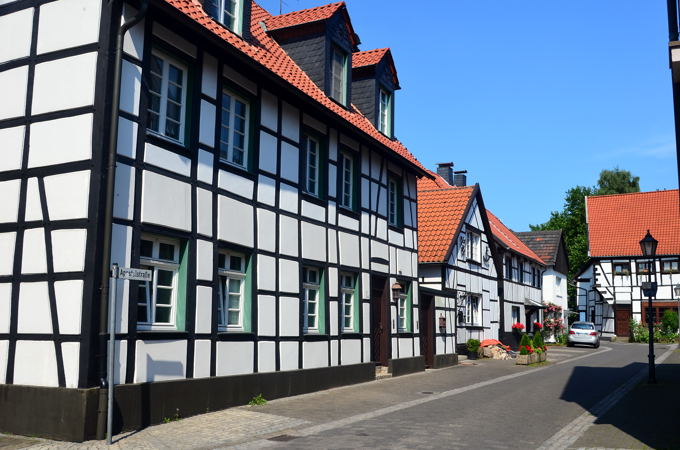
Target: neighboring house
{"type": "Point", "coordinates": [278, 218]}
{"type": "Point", "coordinates": [458, 276]}
{"type": "Point", "coordinates": [609, 286]}
{"type": "Point", "coordinates": [549, 246]}
{"type": "Point", "coordinates": [520, 281]}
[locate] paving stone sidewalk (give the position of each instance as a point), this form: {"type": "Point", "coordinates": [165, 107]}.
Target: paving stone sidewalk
{"type": "Point", "coordinates": [647, 417]}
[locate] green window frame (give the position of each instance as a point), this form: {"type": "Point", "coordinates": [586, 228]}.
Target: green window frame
{"type": "Point", "coordinates": [405, 310]}
{"type": "Point", "coordinates": [227, 12]}
{"type": "Point", "coordinates": [314, 300]}
{"type": "Point", "coordinates": [234, 291]}
{"type": "Point", "coordinates": [338, 72]}
{"type": "Point", "coordinates": [161, 302]}
{"type": "Point", "coordinates": [314, 164]}
{"type": "Point", "coordinates": [348, 180]}
{"type": "Point", "coordinates": [168, 81]}
{"type": "Point", "coordinates": [395, 201]}
{"type": "Point", "coordinates": [385, 112]}
{"type": "Point", "coordinates": [349, 299]}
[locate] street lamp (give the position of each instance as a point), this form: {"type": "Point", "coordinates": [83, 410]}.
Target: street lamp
{"type": "Point", "coordinates": [677, 294]}
{"type": "Point", "coordinates": [648, 246]}
{"type": "Point", "coordinates": [396, 290]}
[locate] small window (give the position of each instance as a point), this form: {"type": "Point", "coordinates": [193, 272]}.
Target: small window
{"type": "Point", "coordinates": [234, 129]}
{"type": "Point", "coordinates": [348, 294]}
{"type": "Point", "coordinates": [232, 273]}
{"type": "Point", "coordinates": [385, 114]}
{"type": "Point", "coordinates": [339, 75]}
{"type": "Point", "coordinates": [644, 267]}
{"type": "Point", "coordinates": [402, 305]}
{"type": "Point", "coordinates": [670, 266]}
{"type": "Point", "coordinates": [226, 12]}
{"type": "Point", "coordinates": [347, 180]}
{"type": "Point", "coordinates": [521, 271]}
{"type": "Point", "coordinates": [621, 268]}
{"type": "Point", "coordinates": [311, 284]}
{"type": "Point", "coordinates": [157, 299]}
{"type": "Point", "coordinates": [508, 267]}
{"type": "Point", "coordinates": [474, 246]}
{"type": "Point", "coordinates": [515, 314]}
{"type": "Point", "coordinates": [472, 311]}
{"type": "Point", "coordinates": [515, 269]}
{"type": "Point", "coordinates": [395, 200]}
{"type": "Point", "coordinates": [166, 112]}
{"type": "Point", "coordinates": [312, 166]}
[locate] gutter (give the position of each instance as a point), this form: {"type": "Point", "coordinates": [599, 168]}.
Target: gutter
{"type": "Point", "coordinates": [108, 208]}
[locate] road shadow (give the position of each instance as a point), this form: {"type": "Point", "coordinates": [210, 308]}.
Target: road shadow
{"type": "Point", "coordinates": [649, 414]}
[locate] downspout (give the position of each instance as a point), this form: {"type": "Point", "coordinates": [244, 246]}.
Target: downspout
{"type": "Point", "coordinates": [108, 208]}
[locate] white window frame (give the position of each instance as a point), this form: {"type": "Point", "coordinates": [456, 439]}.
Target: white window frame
{"type": "Point", "coordinates": [232, 117]}
{"type": "Point", "coordinates": [402, 312]}
{"type": "Point", "coordinates": [162, 113]}
{"type": "Point", "coordinates": [237, 17]}
{"type": "Point", "coordinates": [312, 169]}
{"type": "Point", "coordinates": [392, 201]}
{"type": "Point", "coordinates": [348, 296]}
{"type": "Point", "coordinates": [472, 313]}
{"type": "Point", "coordinates": [474, 246]}
{"type": "Point", "coordinates": [345, 157]}
{"type": "Point", "coordinates": [308, 287]}
{"type": "Point", "coordinates": [519, 312]}
{"type": "Point", "coordinates": [342, 79]}
{"type": "Point", "coordinates": [225, 275]}
{"type": "Point", "coordinates": [385, 112]}
{"type": "Point", "coordinates": [155, 264]}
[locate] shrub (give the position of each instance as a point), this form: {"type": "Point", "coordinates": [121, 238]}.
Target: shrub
{"type": "Point", "coordinates": [669, 321]}
{"type": "Point", "coordinates": [473, 345]}
{"type": "Point", "coordinates": [538, 340]}
{"type": "Point", "coordinates": [525, 345]}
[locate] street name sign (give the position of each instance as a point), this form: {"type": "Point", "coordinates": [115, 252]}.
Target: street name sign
{"type": "Point", "coordinates": [128, 273]}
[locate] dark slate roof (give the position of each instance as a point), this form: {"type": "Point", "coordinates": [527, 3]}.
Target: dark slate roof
{"type": "Point", "coordinates": [545, 243]}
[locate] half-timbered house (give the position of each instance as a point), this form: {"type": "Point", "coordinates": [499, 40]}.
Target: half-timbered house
{"type": "Point", "coordinates": [520, 281]}
{"type": "Point", "coordinates": [256, 175]}
{"type": "Point", "coordinates": [458, 274]}
{"type": "Point", "coordinates": [609, 286]}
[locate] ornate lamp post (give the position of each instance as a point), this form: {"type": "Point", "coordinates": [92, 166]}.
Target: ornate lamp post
{"type": "Point", "coordinates": [648, 245]}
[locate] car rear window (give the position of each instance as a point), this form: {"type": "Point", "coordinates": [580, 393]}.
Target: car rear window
{"type": "Point", "coordinates": [583, 326]}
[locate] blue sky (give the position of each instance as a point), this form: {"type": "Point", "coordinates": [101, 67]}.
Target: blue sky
{"type": "Point", "coordinates": [531, 97]}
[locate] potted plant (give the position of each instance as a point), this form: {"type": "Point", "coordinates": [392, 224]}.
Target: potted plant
{"type": "Point", "coordinates": [539, 346]}
{"type": "Point", "coordinates": [525, 350]}
{"type": "Point", "coordinates": [473, 348]}
{"type": "Point", "coordinates": [517, 327]}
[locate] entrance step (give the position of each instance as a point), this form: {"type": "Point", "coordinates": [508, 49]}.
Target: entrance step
{"type": "Point", "coordinates": [382, 372]}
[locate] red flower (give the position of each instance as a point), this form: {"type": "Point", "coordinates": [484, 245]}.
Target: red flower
{"type": "Point", "coordinates": [538, 325]}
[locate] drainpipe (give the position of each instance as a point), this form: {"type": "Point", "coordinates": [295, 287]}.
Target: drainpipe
{"type": "Point", "coordinates": [108, 210]}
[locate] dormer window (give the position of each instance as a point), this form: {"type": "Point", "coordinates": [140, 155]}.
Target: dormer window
{"type": "Point", "coordinates": [339, 75]}
{"type": "Point", "coordinates": [385, 114]}
{"type": "Point", "coordinates": [227, 12]}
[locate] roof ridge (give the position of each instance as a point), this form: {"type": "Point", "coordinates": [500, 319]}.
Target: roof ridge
{"type": "Point", "coordinates": [631, 193]}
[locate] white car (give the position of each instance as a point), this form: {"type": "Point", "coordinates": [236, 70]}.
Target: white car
{"type": "Point", "coordinates": [583, 333]}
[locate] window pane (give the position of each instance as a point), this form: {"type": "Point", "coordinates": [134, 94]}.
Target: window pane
{"type": "Point", "coordinates": [163, 314]}
{"type": "Point", "coordinates": [164, 278]}
{"type": "Point", "coordinates": [234, 286]}
{"type": "Point", "coordinates": [146, 248]}
{"type": "Point", "coordinates": [175, 74]}
{"type": "Point", "coordinates": [163, 296]}
{"type": "Point", "coordinates": [234, 317]}
{"type": "Point", "coordinates": [222, 260]}
{"type": "Point", "coordinates": [141, 313]}
{"type": "Point", "coordinates": [234, 302]}
{"type": "Point", "coordinates": [236, 263]}
{"type": "Point", "coordinates": [166, 251]}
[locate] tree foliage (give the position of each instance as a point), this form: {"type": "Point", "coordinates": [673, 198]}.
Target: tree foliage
{"type": "Point", "coordinates": [572, 218]}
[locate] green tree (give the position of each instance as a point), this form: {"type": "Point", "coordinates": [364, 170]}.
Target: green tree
{"type": "Point", "coordinates": [617, 181]}
{"type": "Point", "coordinates": [572, 218]}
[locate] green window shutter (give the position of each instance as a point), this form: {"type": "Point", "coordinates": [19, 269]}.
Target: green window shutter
{"type": "Point", "coordinates": [180, 316]}
{"type": "Point", "coordinates": [322, 303]}
{"type": "Point", "coordinates": [248, 296]}
{"type": "Point", "coordinates": [356, 325]}
{"type": "Point", "coordinates": [409, 309]}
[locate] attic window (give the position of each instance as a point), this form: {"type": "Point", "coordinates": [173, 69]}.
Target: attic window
{"type": "Point", "coordinates": [385, 115]}
{"type": "Point", "coordinates": [227, 12]}
{"type": "Point", "coordinates": [339, 75]}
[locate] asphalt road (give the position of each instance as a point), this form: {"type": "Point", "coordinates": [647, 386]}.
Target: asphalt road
{"type": "Point", "coordinates": [522, 411]}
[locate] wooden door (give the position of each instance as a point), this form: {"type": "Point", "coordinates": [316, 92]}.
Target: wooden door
{"type": "Point", "coordinates": [622, 315]}
{"type": "Point", "coordinates": [380, 321]}
{"type": "Point", "coordinates": [427, 327]}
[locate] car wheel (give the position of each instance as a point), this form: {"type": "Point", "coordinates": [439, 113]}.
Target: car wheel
{"type": "Point", "coordinates": [570, 344]}
{"type": "Point", "coordinates": [596, 345]}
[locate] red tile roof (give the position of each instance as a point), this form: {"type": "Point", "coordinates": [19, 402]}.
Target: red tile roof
{"type": "Point", "coordinates": [368, 57]}
{"type": "Point", "coordinates": [617, 223]}
{"type": "Point", "coordinates": [436, 182]}
{"type": "Point", "coordinates": [440, 212]}
{"type": "Point", "coordinates": [264, 50]}
{"type": "Point", "coordinates": [310, 15]}
{"type": "Point", "coordinates": [509, 239]}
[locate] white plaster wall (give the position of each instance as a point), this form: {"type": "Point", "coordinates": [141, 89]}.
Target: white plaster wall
{"type": "Point", "coordinates": [166, 201]}
{"type": "Point", "coordinates": [204, 211]}
{"type": "Point", "coordinates": [69, 296]}
{"type": "Point", "coordinates": [204, 260]}
{"type": "Point", "coordinates": [13, 91]}
{"type": "Point", "coordinates": [288, 355]}
{"type": "Point", "coordinates": [16, 28]}
{"type": "Point", "coordinates": [9, 193]}
{"type": "Point", "coordinates": [68, 23]}
{"type": "Point", "coordinates": [68, 250]}
{"type": "Point", "coordinates": [130, 87]}
{"type": "Point", "coordinates": [288, 236]}
{"type": "Point", "coordinates": [289, 316]}
{"type": "Point", "coordinates": [202, 359]}
{"type": "Point", "coordinates": [5, 306]}
{"type": "Point", "coordinates": [266, 190]}
{"type": "Point", "coordinates": [205, 166]}
{"type": "Point", "coordinates": [349, 249]}
{"type": "Point", "coordinates": [314, 354]}
{"type": "Point", "coordinates": [313, 242]}
{"type": "Point", "coordinates": [234, 358]}
{"type": "Point", "coordinates": [239, 231]}
{"type": "Point", "coordinates": [160, 360]}
{"type": "Point", "coordinates": [206, 133]}
{"type": "Point", "coordinates": [73, 205]}
{"type": "Point", "coordinates": [123, 201]}
{"type": "Point", "coordinates": [209, 75]}
{"type": "Point", "coordinates": [266, 270]}
{"type": "Point", "coordinates": [34, 259]}
{"type": "Point", "coordinates": [236, 184]}
{"type": "Point", "coordinates": [60, 141]}
{"type": "Point", "coordinates": [34, 308]}
{"type": "Point", "coordinates": [35, 364]}
{"type": "Point", "coordinates": [266, 315]}
{"type": "Point", "coordinates": [288, 198]}
{"type": "Point", "coordinates": [268, 152]}
{"type": "Point", "coordinates": [203, 309]}
{"type": "Point", "coordinates": [351, 351]}
{"type": "Point", "coordinates": [289, 276]}
{"type": "Point", "coordinates": [4, 350]}
{"type": "Point", "coordinates": [64, 83]}
{"type": "Point", "coordinates": [159, 157]}
{"type": "Point", "coordinates": [290, 122]}
{"type": "Point", "coordinates": [70, 353]}
{"type": "Point", "coordinates": [290, 162]}
{"type": "Point", "coordinates": [266, 356]}
{"type": "Point", "coordinates": [269, 110]}
{"type": "Point", "coordinates": [12, 140]}
{"type": "Point", "coordinates": [121, 248]}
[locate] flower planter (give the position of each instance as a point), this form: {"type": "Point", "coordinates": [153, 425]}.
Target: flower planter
{"type": "Point", "coordinates": [543, 357]}
{"type": "Point", "coordinates": [523, 360]}
{"type": "Point", "coordinates": [534, 358]}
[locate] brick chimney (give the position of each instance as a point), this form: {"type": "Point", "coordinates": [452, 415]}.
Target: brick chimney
{"type": "Point", "coordinates": [445, 170]}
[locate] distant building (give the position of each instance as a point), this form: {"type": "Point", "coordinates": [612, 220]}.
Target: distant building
{"type": "Point", "coordinates": [549, 246]}
{"type": "Point", "coordinates": [609, 285]}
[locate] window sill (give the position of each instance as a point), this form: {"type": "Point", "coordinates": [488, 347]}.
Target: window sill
{"type": "Point", "coordinates": [474, 261]}
{"type": "Point", "coordinates": [159, 139]}
{"type": "Point", "coordinates": [349, 212]}
{"type": "Point", "coordinates": [396, 228]}
{"type": "Point", "coordinates": [312, 198]}
{"type": "Point", "coordinates": [235, 168]}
